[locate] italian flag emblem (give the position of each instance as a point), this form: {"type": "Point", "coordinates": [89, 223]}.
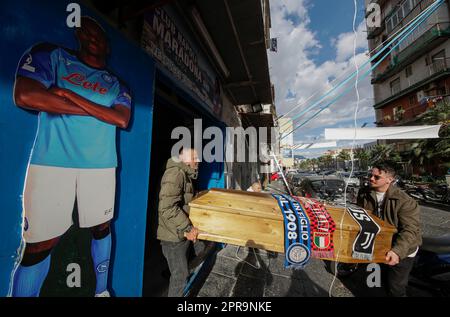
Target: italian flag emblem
{"type": "Point", "coordinates": [322, 240]}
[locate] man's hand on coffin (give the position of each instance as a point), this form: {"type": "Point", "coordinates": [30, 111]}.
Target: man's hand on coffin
{"type": "Point", "coordinates": [392, 258]}
{"type": "Point", "coordinates": [192, 235]}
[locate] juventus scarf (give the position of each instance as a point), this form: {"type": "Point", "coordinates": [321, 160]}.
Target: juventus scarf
{"type": "Point", "coordinates": [365, 241]}
{"type": "Point", "coordinates": [322, 228]}
{"type": "Point", "coordinates": [297, 234]}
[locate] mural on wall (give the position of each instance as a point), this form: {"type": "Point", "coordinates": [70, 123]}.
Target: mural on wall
{"type": "Point", "coordinates": [80, 104]}
{"type": "Point", "coordinates": [76, 109]}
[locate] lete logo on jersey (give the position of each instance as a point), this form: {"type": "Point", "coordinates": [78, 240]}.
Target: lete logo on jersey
{"type": "Point", "coordinates": [78, 79]}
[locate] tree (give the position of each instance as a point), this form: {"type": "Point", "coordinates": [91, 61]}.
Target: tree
{"type": "Point", "coordinates": [434, 152]}
{"type": "Point", "coordinates": [314, 163]}
{"type": "Point", "coordinates": [363, 157]}
{"type": "Point", "coordinates": [384, 152]}
{"type": "Point", "coordinates": [326, 160]}
{"type": "Point", "coordinates": [305, 165]}
{"type": "Point", "coordinates": [344, 156]}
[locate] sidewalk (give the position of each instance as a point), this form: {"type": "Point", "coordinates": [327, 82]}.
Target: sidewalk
{"type": "Point", "coordinates": [240, 272]}
{"type": "Point", "coordinates": [236, 272]}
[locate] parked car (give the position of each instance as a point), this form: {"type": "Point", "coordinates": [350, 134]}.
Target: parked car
{"type": "Point", "coordinates": [297, 179]}
{"type": "Point", "coordinates": [327, 172]}
{"type": "Point", "coordinates": [351, 181]}
{"type": "Point", "coordinates": [328, 188]}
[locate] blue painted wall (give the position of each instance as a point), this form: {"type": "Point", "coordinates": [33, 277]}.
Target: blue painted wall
{"type": "Point", "coordinates": [22, 24]}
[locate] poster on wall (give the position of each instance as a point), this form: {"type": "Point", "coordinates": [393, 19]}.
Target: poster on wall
{"type": "Point", "coordinates": [74, 93]}
{"type": "Point", "coordinates": [168, 42]}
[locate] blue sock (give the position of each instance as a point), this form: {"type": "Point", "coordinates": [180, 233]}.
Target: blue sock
{"type": "Point", "coordinates": [100, 251]}
{"type": "Point", "coordinates": [28, 280]}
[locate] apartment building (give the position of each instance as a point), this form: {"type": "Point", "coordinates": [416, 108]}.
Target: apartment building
{"type": "Point", "coordinates": [417, 73]}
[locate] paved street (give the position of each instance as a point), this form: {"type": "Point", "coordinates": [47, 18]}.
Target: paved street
{"type": "Point", "coordinates": [242, 272]}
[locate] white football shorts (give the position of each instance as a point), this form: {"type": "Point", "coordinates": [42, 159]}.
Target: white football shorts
{"type": "Point", "coordinates": [49, 199]}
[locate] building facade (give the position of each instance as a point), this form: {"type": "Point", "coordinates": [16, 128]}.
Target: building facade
{"type": "Point", "coordinates": [417, 73]}
{"type": "Point", "coordinates": [181, 61]}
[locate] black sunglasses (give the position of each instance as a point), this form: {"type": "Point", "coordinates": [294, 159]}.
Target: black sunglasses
{"type": "Point", "coordinates": [377, 177]}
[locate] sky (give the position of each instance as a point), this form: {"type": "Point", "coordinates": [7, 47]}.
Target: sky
{"type": "Point", "coordinates": [315, 46]}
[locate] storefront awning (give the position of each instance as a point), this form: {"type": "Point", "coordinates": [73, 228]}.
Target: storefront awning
{"type": "Point", "coordinates": [232, 33]}
{"type": "Point", "coordinates": [236, 29]}
{"type": "Point", "coordinates": [389, 133]}
{"type": "Point", "coordinates": [257, 120]}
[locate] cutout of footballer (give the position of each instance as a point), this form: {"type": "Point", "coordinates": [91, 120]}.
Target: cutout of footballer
{"type": "Point", "coordinates": [80, 105]}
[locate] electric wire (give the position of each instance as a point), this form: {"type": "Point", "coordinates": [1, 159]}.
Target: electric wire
{"type": "Point", "coordinates": [404, 33]}
{"type": "Point", "coordinates": [365, 74]}
{"type": "Point", "coordinates": [343, 74]}
{"type": "Point", "coordinates": [336, 263]}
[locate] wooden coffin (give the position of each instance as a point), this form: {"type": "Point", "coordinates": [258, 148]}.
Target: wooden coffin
{"type": "Point", "coordinates": [255, 220]}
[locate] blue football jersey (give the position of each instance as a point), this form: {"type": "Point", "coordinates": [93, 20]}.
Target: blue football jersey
{"type": "Point", "coordinates": [71, 140]}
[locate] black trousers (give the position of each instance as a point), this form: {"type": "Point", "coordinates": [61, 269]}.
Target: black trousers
{"type": "Point", "coordinates": [397, 277]}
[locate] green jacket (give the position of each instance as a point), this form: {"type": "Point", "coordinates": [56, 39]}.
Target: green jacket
{"type": "Point", "coordinates": [175, 194]}
{"type": "Point", "coordinates": [402, 212]}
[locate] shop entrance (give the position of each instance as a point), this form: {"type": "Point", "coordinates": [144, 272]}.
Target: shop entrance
{"type": "Point", "coordinates": [170, 111]}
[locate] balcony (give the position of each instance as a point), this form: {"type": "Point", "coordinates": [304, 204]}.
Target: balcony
{"type": "Point", "coordinates": [437, 70]}
{"type": "Point", "coordinates": [420, 45]}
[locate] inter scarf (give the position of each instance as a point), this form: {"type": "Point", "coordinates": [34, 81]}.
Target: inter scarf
{"type": "Point", "coordinates": [322, 228]}
{"type": "Point", "coordinates": [365, 241]}
{"type": "Point", "coordinates": [297, 234]}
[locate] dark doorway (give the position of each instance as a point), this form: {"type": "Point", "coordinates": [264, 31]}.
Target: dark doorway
{"type": "Point", "coordinates": [169, 112]}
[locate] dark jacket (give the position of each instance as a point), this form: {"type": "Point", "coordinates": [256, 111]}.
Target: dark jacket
{"type": "Point", "coordinates": [401, 211]}
{"type": "Point", "coordinates": [174, 196]}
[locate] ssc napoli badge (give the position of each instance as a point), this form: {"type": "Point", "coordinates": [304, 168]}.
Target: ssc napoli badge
{"type": "Point", "coordinates": [107, 78]}
{"type": "Point", "coordinates": [103, 267]}
{"type": "Point", "coordinates": [297, 254]}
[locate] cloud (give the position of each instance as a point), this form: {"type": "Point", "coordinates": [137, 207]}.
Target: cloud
{"type": "Point", "coordinates": [345, 43]}
{"type": "Point", "coordinates": [294, 72]}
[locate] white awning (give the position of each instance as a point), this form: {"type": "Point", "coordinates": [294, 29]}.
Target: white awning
{"type": "Point", "coordinates": [388, 133]}
{"type": "Point", "coordinates": [304, 146]}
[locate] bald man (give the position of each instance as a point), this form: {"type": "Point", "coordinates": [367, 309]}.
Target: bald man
{"type": "Point", "coordinates": [80, 105]}
{"type": "Point", "coordinates": [175, 230]}
{"type": "Point", "coordinates": [256, 187]}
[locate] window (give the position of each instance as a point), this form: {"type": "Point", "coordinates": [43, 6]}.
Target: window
{"type": "Point", "coordinates": [407, 6]}
{"type": "Point", "coordinates": [398, 113]}
{"type": "Point", "coordinates": [441, 91]}
{"type": "Point", "coordinates": [439, 56]}
{"type": "Point", "coordinates": [400, 14]}
{"type": "Point", "coordinates": [395, 86]}
{"type": "Point", "coordinates": [394, 20]}
{"type": "Point", "coordinates": [413, 99]}
{"type": "Point", "coordinates": [389, 26]}
{"type": "Point", "coordinates": [408, 71]}
{"type": "Point", "coordinates": [403, 10]}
